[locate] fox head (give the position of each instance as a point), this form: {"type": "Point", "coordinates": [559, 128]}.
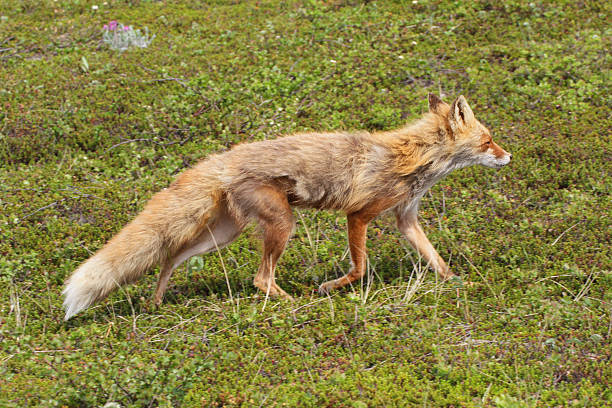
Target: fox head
{"type": "Point", "coordinates": [471, 140]}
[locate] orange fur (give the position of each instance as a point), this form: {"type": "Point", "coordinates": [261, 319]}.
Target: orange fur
{"type": "Point", "coordinates": [359, 173]}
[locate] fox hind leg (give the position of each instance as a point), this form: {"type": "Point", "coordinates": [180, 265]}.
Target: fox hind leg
{"type": "Point", "coordinates": [269, 206]}
{"type": "Point", "coordinates": [275, 240]}
{"type": "Point", "coordinates": [222, 232]}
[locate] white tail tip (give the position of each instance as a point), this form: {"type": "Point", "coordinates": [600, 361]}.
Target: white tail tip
{"type": "Point", "coordinates": [75, 300]}
{"type": "Point", "coordinates": [90, 282]}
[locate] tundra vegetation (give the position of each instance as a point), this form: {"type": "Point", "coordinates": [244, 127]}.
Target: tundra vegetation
{"type": "Point", "coordinates": [88, 133]}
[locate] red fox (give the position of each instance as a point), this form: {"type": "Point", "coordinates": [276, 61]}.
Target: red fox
{"type": "Point", "coordinates": [359, 173]}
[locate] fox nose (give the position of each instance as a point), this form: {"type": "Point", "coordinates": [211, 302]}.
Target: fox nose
{"type": "Point", "coordinates": [510, 156]}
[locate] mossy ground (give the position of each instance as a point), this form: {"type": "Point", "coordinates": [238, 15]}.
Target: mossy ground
{"type": "Point", "coordinates": [87, 134]}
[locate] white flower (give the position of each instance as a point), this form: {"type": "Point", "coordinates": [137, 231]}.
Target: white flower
{"type": "Point", "coordinates": [332, 61]}
{"type": "Point", "coordinates": [400, 57]}
{"type": "Point", "coordinates": [94, 7]}
{"type": "Point", "coordinates": [414, 43]}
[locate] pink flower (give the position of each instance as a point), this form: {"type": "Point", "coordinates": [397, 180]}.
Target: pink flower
{"type": "Point", "coordinates": [112, 25]}
{"type": "Point", "coordinates": [105, 27]}
{"type": "Point", "coordinates": [126, 28]}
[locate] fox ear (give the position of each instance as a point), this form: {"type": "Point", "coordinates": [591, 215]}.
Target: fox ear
{"type": "Point", "coordinates": [434, 103]}
{"type": "Point", "coordinates": [461, 114]}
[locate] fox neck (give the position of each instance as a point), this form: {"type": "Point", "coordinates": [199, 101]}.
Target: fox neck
{"type": "Point", "coordinates": [421, 172]}
{"type": "Point", "coordinates": [425, 147]}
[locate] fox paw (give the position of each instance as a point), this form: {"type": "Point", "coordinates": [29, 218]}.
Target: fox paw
{"type": "Point", "coordinates": [326, 288]}
{"type": "Point", "coordinates": [272, 289]}
{"type": "Point", "coordinates": [448, 275]}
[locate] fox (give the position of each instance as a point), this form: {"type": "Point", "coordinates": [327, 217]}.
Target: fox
{"type": "Point", "coordinates": [361, 174]}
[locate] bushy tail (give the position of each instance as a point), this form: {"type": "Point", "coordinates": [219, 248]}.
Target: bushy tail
{"type": "Point", "coordinates": [170, 219]}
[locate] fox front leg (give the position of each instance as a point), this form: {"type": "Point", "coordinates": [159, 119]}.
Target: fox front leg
{"type": "Point", "coordinates": [411, 229]}
{"type": "Point", "coordinates": [357, 231]}
{"type": "Point", "coordinates": [357, 228]}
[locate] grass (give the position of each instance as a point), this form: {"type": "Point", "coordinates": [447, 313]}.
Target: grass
{"type": "Point", "coordinates": [87, 134]}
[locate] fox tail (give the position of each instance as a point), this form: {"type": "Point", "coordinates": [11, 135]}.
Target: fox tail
{"type": "Point", "coordinates": [170, 219]}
